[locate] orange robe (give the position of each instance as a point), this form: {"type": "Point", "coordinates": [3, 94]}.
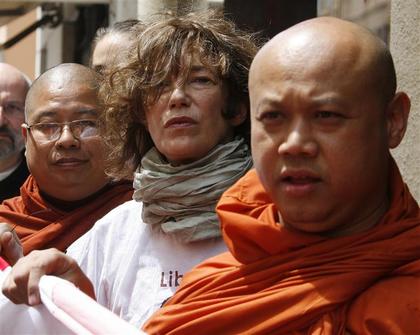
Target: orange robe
{"type": "Point", "coordinates": [40, 225]}
{"type": "Point", "coordinates": [275, 281]}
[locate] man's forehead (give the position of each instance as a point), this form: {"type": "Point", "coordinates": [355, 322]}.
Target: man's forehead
{"type": "Point", "coordinates": [14, 86]}
{"type": "Point", "coordinates": [321, 61]}
{"type": "Point", "coordinates": [12, 96]}
{"type": "Point", "coordinates": [64, 102]}
{"type": "Point", "coordinates": [81, 111]}
{"type": "Point", "coordinates": [56, 114]}
{"type": "Point", "coordinates": [66, 76]}
{"type": "Point", "coordinates": [62, 89]}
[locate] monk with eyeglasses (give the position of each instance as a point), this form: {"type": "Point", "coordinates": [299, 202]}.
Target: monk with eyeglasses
{"type": "Point", "coordinates": [67, 190]}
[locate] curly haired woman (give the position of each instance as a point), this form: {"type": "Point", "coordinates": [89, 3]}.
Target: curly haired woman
{"type": "Point", "coordinates": [178, 110]}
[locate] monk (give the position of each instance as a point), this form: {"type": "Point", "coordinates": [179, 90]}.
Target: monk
{"type": "Point", "coordinates": [67, 190]}
{"type": "Point", "coordinates": [323, 234]}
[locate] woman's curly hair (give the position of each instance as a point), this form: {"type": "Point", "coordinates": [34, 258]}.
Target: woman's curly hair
{"type": "Point", "coordinates": [162, 46]}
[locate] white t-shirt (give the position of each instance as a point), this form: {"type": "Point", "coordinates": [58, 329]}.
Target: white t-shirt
{"type": "Point", "coordinates": [134, 267]}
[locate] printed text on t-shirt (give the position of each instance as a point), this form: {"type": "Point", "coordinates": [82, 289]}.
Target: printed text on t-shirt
{"type": "Point", "coordinates": [170, 279]}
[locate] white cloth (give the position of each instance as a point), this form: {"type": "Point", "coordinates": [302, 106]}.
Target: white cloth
{"type": "Point", "coordinates": [135, 267]}
{"type": "Point", "coordinates": [64, 310]}
{"type": "Point", "coordinates": [79, 312]}
{"type": "Point", "coordinates": [22, 320]}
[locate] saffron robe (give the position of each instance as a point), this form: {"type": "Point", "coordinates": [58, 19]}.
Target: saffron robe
{"type": "Point", "coordinates": [40, 225]}
{"type": "Point", "coordinates": [275, 281]}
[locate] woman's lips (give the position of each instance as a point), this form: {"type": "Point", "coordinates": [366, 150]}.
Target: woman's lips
{"type": "Point", "coordinates": [179, 122]}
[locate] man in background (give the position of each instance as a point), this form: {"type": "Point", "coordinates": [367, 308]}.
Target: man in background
{"type": "Point", "coordinates": [13, 169]}
{"type": "Point", "coordinates": [67, 190]}
{"type": "Point", "coordinates": [111, 45]}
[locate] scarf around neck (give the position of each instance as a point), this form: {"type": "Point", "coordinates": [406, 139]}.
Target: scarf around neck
{"type": "Point", "coordinates": [181, 200]}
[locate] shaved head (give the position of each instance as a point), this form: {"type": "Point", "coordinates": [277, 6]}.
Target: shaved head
{"type": "Point", "coordinates": [324, 114]}
{"type": "Point", "coordinates": [58, 78]}
{"type": "Point", "coordinates": [324, 44]}
{"type": "Point", "coordinates": [69, 167]}
{"type": "Point", "coordinates": [13, 73]}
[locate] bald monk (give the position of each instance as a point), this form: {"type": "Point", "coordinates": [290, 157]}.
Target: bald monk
{"type": "Point", "coordinates": [323, 234]}
{"type": "Point", "coordinates": [67, 190]}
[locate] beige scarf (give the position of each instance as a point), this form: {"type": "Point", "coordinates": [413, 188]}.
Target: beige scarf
{"type": "Point", "coordinates": [182, 199]}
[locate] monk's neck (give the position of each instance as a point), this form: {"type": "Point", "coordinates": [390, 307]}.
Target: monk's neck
{"type": "Point", "coordinates": [349, 226]}
{"type": "Point", "coordinates": [68, 206]}
{"type": "Point", "coordinates": [362, 224]}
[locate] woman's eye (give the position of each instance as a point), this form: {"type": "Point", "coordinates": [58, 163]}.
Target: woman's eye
{"type": "Point", "coordinates": [201, 80]}
{"type": "Point", "coordinates": [165, 85]}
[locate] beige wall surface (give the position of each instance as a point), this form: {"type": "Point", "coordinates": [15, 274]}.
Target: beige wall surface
{"type": "Point", "coordinates": [405, 47]}
{"type": "Point", "coordinates": [22, 54]}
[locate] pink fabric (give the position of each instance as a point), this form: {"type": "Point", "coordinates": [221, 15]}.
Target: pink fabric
{"type": "Point", "coordinates": [79, 312]}
{"type": "Point", "coordinates": [65, 310]}
{"type": "Point", "coordinates": [3, 264]}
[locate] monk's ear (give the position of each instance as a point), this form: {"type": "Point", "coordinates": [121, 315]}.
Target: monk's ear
{"type": "Point", "coordinates": [397, 117]}
{"type": "Point", "coordinates": [24, 133]}
{"type": "Point", "coordinates": [240, 116]}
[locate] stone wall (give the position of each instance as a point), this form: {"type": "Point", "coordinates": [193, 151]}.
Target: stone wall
{"type": "Point", "coordinates": [405, 47]}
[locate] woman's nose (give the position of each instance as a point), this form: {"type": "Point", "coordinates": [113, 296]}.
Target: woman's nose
{"type": "Point", "coordinates": [179, 97]}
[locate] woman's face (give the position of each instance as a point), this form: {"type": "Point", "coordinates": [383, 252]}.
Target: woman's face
{"type": "Point", "coordinates": [186, 122]}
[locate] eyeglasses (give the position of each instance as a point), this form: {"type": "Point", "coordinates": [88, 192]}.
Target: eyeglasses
{"type": "Point", "coordinates": [11, 109]}
{"type": "Point", "coordinates": [48, 132]}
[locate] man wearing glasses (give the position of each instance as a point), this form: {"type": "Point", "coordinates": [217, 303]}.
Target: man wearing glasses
{"type": "Point", "coordinates": [13, 169]}
{"type": "Point", "coordinates": [68, 190]}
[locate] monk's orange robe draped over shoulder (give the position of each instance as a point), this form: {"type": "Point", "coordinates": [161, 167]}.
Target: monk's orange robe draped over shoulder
{"type": "Point", "coordinates": [39, 225]}
{"type": "Point", "coordinates": [275, 281]}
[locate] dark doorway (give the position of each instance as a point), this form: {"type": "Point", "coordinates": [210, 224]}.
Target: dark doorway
{"type": "Point", "coordinates": [269, 16]}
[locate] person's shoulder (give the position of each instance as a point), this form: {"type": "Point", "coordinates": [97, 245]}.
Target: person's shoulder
{"type": "Point", "coordinates": [121, 214]}
{"type": "Point", "coordinates": [18, 176]}
{"type": "Point", "coordinates": [113, 226]}
{"type": "Point", "coordinates": [10, 186]}
{"type": "Point", "coordinates": [390, 306]}
{"type": "Point", "coordinates": [125, 208]}
{"type": "Point", "coordinates": [247, 190]}
{"type": "Point", "coordinates": [12, 205]}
